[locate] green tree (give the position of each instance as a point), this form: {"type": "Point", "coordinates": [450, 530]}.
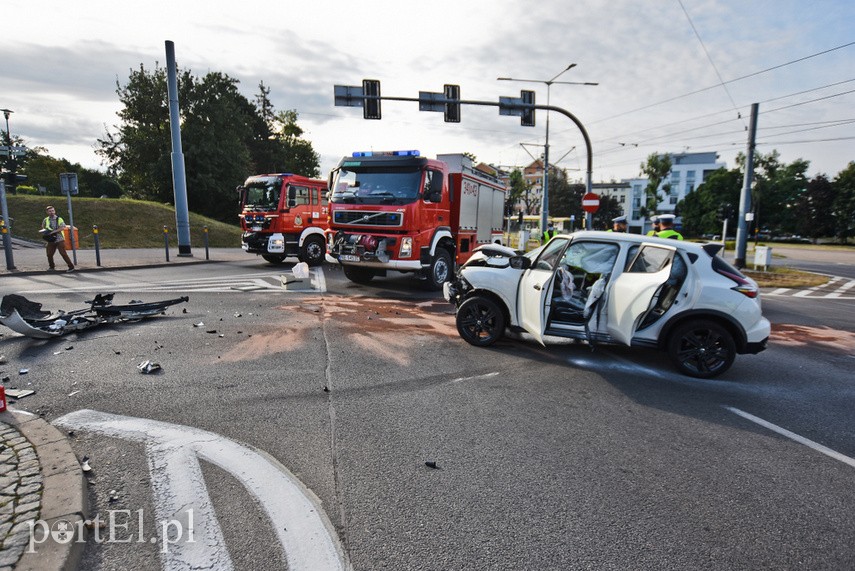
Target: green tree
{"type": "Point", "coordinates": [516, 190]}
{"type": "Point", "coordinates": [656, 169]}
{"type": "Point", "coordinates": [565, 198]}
{"type": "Point", "coordinates": [700, 208]}
{"type": "Point", "coordinates": [777, 193]}
{"type": "Point", "coordinates": [816, 209]}
{"type": "Point", "coordinates": [844, 203]}
{"type": "Point", "coordinates": [225, 138]}
{"type": "Point", "coordinates": [609, 209]}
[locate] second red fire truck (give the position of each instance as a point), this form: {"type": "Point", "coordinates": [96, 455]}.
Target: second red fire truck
{"type": "Point", "coordinates": [284, 215]}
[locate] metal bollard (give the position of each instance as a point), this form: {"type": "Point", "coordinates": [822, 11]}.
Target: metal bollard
{"type": "Point", "coordinates": [97, 245]}
{"type": "Point", "coordinates": [7, 245]}
{"type": "Point", "coordinates": [166, 241]}
{"type": "Point", "coordinates": [205, 238]}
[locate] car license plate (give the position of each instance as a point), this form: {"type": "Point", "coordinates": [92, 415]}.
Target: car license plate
{"type": "Point", "coordinates": [348, 258]}
{"type": "Point", "coordinates": [256, 228]}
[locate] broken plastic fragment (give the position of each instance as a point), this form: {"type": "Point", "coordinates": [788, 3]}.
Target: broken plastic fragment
{"type": "Point", "coordinates": [23, 371]}
{"type": "Point", "coordinates": [200, 324]}
{"type": "Point", "coordinates": [148, 367]}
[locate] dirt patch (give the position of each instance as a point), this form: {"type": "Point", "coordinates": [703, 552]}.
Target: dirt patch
{"type": "Point", "coordinates": [803, 335]}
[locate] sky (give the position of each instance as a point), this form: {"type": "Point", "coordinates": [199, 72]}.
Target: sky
{"type": "Point", "coordinates": [673, 75]}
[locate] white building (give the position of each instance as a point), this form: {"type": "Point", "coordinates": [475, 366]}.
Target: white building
{"type": "Point", "coordinates": [688, 171]}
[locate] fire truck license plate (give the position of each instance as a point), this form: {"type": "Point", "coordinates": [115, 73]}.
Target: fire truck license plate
{"type": "Point", "coordinates": [348, 258]}
{"type": "Point", "coordinates": [257, 228]}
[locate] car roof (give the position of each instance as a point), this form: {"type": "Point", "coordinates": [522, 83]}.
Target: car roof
{"type": "Point", "coordinates": [633, 239]}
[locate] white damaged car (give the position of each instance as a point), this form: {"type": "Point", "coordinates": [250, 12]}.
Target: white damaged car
{"type": "Point", "coordinates": [609, 287]}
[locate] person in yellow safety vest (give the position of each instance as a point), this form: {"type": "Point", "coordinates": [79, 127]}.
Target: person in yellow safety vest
{"type": "Point", "coordinates": [51, 231]}
{"type": "Point", "coordinates": [666, 222]}
{"type": "Point", "coordinates": [550, 233]}
{"type": "Point", "coordinates": [618, 224]}
{"type": "Point", "coordinates": [655, 221]}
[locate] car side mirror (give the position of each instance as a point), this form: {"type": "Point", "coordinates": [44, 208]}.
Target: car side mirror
{"type": "Point", "coordinates": [520, 262]}
{"type": "Point", "coordinates": [292, 197]}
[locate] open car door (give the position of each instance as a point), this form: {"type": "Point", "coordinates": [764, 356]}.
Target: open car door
{"type": "Point", "coordinates": [633, 291]}
{"type": "Point", "coordinates": [535, 290]}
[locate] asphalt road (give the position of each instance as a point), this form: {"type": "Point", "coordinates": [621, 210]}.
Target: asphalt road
{"type": "Point", "coordinates": [561, 457]}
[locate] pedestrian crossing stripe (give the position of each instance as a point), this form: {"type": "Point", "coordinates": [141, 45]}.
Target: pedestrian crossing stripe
{"type": "Point", "coordinates": [833, 289]}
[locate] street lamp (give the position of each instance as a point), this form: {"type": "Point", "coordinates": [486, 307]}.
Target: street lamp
{"type": "Point", "coordinates": [544, 210]}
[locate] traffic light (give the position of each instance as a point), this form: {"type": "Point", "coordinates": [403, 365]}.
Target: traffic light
{"type": "Point", "coordinates": [371, 107]}
{"type": "Point", "coordinates": [527, 118]}
{"type": "Point", "coordinates": [520, 217]}
{"type": "Point", "coordinates": [725, 211]}
{"type": "Point", "coordinates": [452, 108]}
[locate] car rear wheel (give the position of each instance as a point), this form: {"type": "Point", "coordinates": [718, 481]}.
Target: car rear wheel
{"type": "Point", "coordinates": [702, 349]}
{"type": "Point", "coordinates": [480, 321]}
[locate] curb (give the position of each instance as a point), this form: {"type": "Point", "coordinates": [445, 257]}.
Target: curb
{"type": "Point", "coordinates": [87, 270]}
{"type": "Point", "coordinates": [64, 496]}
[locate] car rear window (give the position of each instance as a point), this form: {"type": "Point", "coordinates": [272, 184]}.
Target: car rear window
{"type": "Point", "coordinates": [719, 265]}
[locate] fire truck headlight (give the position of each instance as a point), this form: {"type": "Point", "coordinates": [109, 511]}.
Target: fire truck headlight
{"type": "Point", "coordinates": [406, 250]}
{"type": "Point", "coordinates": [276, 243]}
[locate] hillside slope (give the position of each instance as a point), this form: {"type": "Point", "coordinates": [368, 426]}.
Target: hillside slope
{"type": "Point", "coordinates": [121, 223]}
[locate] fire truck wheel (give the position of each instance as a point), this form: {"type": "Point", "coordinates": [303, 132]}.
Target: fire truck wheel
{"type": "Point", "coordinates": [440, 270]}
{"type": "Point", "coordinates": [274, 258]}
{"type": "Point", "coordinates": [313, 250]}
{"type": "Point", "coordinates": [358, 275]}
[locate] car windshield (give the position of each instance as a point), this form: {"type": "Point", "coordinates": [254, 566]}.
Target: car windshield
{"type": "Point", "coordinates": [262, 193]}
{"type": "Point", "coordinates": [377, 185]}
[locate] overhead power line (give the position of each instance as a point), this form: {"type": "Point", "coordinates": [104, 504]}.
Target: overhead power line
{"type": "Point", "coordinates": [734, 80]}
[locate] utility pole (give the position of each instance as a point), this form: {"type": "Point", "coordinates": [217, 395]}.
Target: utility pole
{"type": "Point", "coordinates": [745, 195]}
{"type": "Point", "coordinates": [179, 179]}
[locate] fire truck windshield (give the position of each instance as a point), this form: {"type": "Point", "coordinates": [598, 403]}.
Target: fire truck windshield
{"type": "Point", "coordinates": [262, 193]}
{"type": "Point", "coordinates": [377, 185]}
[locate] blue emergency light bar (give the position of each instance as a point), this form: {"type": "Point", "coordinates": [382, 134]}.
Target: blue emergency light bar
{"type": "Point", "coordinates": [386, 154]}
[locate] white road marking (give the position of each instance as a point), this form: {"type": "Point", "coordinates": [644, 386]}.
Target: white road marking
{"type": "Point", "coordinates": [794, 437]}
{"type": "Point", "coordinates": [307, 537]}
{"type": "Point", "coordinates": [476, 377]}
{"type": "Point", "coordinates": [244, 283]}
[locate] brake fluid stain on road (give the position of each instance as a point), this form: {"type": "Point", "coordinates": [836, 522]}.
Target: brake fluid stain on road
{"type": "Point", "coordinates": [802, 335]}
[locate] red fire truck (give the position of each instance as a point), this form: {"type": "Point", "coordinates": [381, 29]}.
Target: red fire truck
{"type": "Point", "coordinates": [404, 212]}
{"type": "Point", "coordinates": [284, 215]}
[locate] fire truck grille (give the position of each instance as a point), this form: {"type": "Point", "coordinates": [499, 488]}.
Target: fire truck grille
{"type": "Point", "coordinates": [362, 218]}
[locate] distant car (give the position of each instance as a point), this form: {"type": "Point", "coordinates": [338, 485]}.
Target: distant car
{"type": "Point", "coordinates": [608, 287]}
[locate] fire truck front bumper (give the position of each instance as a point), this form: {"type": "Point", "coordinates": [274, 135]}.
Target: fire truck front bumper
{"type": "Point", "coordinates": [369, 251]}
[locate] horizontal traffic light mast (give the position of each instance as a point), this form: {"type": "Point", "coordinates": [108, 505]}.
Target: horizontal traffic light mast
{"type": "Point", "coordinates": [368, 97]}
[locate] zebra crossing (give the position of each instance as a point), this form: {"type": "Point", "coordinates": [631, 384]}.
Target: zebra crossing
{"type": "Point", "coordinates": [836, 288]}
{"type": "Point", "coordinates": [282, 283]}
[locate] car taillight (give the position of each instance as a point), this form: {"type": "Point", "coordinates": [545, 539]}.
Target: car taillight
{"type": "Point", "coordinates": [743, 286]}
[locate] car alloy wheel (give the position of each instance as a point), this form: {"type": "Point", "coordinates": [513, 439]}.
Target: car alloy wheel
{"type": "Point", "coordinates": [702, 349]}
{"type": "Point", "coordinates": [480, 321]}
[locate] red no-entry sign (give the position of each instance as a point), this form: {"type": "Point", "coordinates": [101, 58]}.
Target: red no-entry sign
{"type": "Point", "coordinates": [590, 202]}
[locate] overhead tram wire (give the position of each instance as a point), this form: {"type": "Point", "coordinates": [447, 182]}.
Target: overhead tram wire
{"type": "Point", "coordinates": [729, 81]}
{"type": "Point", "coordinates": [765, 112]}
{"type": "Point", "coordinates": [617, 138]}
{"type": "Point", "coordinates": [709, 57]}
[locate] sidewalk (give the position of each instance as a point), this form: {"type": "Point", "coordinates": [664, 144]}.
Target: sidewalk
{"type": "Point", "coordinates": [42, 491]}
{"type": "Point", "coordinates": [31, 258]}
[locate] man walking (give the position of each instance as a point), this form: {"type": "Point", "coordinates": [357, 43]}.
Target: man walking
{"type": "Point", "coordinates": [51, 231]}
